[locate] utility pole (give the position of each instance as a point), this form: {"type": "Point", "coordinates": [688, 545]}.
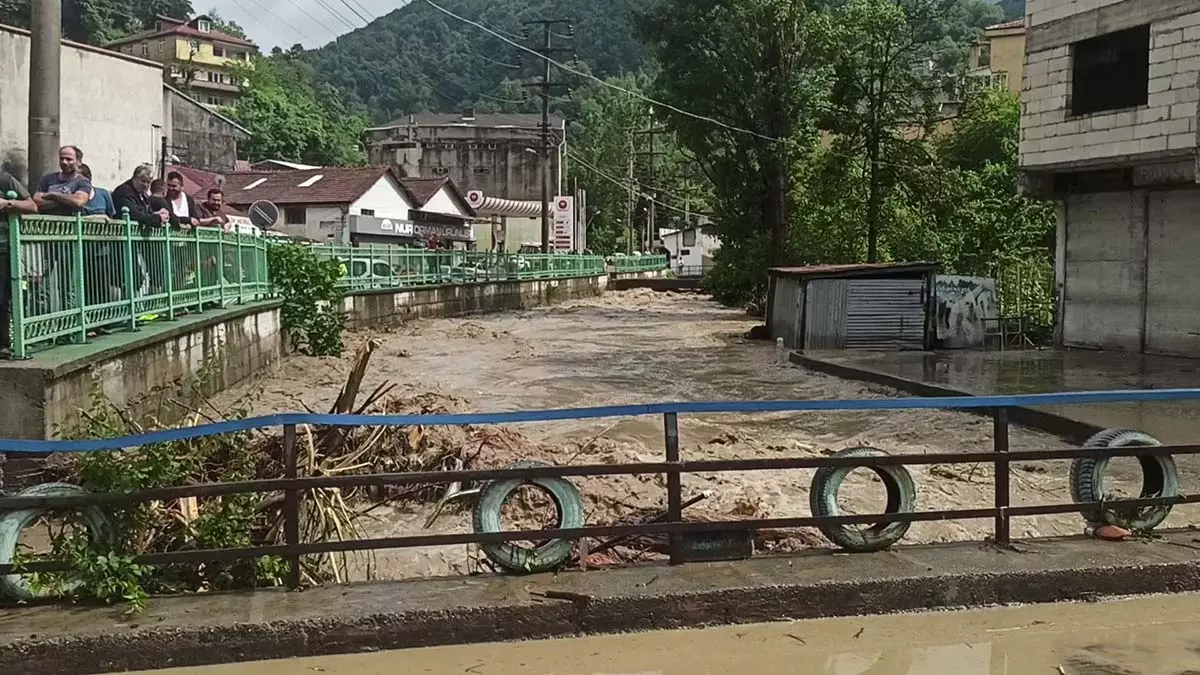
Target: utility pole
{"type": "Point", "coordinates": [545, 87]}
{"type": "Point", "coordinates": [45, 87]}
{"type": "Point", "coordinates": [632, 199]}
{"type": "Point", "coordinates": [652, 196]}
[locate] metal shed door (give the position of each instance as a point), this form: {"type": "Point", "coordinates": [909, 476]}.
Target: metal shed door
{"type": "Point", "coordinates": [885, 314]}
{"type": "Point", "coordinates": [1173, 247]}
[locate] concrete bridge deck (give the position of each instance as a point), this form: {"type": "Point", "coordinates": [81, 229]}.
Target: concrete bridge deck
{"type": "Point", "coordinates": [221, 628]}
{"type": "Point", "coordinates": [981, 373]}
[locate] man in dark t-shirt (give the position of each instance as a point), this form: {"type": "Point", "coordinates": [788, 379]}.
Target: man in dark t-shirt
{"type": "Point", "coordinates": [67, 191]}
{"type": "Point", "coordinates": [20, 202]}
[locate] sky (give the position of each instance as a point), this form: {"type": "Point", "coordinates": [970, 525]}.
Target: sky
{"type": "Point", "coordinates": [312, 23]}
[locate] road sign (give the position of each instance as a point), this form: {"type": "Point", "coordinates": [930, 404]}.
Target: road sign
{"type": "Point", "coordinates": [564, 223]}
{"type": "Point", "coordinates": [264, 214]}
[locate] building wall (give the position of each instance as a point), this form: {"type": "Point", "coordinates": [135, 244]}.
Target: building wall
{"type": "Point", "coordinates": [1050, 135]}
{"type": "Point", "coordinates": [201, 139]}
{"type": "Point", "coordinates": [112, 108]}
{"type": "Point", "coordinates": [385, 198]}
{"type": "Point", "coordinates": [496, 161]}
{"type": "Point", "coordinates": [1008, 56]}
{"type": "Point", "coordinates": [444, 202]}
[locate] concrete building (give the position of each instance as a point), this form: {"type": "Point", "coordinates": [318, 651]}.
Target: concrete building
{"type": "Point", "coordinates": [691, 248]}
{"type": "Point", "coordinates": [998, 58]}
{"type": "Point", "coordinates": [1109, 130]}
{"type": "Point", "coordinates": [195, 57]}
{"type": "Point", "coordinates": [498, 155]}
{"type": "Point", "coordinates": [369, 205]}
{"type": "Point", "coordinates": [198, 136]}
{"type": "Point", "coordinates": [112, 107]}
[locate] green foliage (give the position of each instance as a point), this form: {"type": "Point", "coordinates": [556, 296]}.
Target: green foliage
{"type": "Point", "coordinates": [416, 59]}
{"type": "Point", "coordinates": [312, 302]}
{"type": "Point", "coordinates": [105, 571]}
{"type": "Point", "coordinates": [292, 118]}
{"type": "Point", "coordinates": [220, 23]}
{"type": "Point", "coordinates": [100, 21]}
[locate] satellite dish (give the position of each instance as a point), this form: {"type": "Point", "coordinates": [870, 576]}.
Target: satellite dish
{"type": "Point", "coordinates": [264, 214]}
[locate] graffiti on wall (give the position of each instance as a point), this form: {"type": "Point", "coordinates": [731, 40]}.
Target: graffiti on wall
{"type": "Point", "coordinates": [963, 306]}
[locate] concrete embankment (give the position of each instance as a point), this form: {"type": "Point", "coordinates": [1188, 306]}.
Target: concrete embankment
{"type": "Point", "coordinates": [223, 628]}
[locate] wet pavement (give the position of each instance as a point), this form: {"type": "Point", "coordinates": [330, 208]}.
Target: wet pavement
{"type": "Point", "coordinates": [1145, 636]}
{"type": "Point", "coordinates": [359, 618]}
{"type": "Point", "coordinates": [1044, 371]}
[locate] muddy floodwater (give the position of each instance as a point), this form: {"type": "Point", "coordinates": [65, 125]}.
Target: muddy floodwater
{"type": "Point", "coordinates": [1143, 636]}
{"type": "Point", "coordinates": [640, 347]}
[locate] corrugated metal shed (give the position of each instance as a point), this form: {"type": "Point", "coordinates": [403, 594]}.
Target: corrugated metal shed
{"type": "Point", "coordinates": [873, 306]}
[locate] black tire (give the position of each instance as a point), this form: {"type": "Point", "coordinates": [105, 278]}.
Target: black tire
{"type": "Point", "coordinates": [901, 498]}
{"type": "Point", "coordinates": [16, 586]}
{"type": "Point", "coordinates": [1160, 478]}
{"type": "Point", "coordinates": [549, 555]}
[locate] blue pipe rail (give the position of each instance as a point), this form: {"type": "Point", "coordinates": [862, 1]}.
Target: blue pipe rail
{"type": "Point", "coordinates": [710, 407]}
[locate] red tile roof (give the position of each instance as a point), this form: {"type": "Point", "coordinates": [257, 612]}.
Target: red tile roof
{"type": "Point", "coordinates": [179, 27]}
{"type": "Point", "coordinates": [336, 185]}
{"type": "Point", "coordinates": [421, 190]}
{"type": "Point", "coordinates": [195, 181]}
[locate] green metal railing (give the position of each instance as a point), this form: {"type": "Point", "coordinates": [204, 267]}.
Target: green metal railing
{"type": "Point", "coordinates": [639, 263]}
{"type": "Point", "coordinates": [369, 267]}
{"type": "Point", "coordinates": [71, 276]}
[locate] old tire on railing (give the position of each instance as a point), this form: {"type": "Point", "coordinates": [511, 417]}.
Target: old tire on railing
{"type": "Point", "coordinates": [548, 556]}
{"type": "Point", "coordinates": [16, 586]}
{"type": "Point", "coordinates": [901, 498]}
{"type": "Point", "coordinates": [1160, 478]}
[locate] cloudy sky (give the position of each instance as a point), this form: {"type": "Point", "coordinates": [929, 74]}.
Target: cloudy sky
{"type": "Point", "coordinates": [286, 22]}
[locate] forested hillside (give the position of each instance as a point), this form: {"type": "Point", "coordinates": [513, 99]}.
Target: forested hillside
{"type": "Point", "coordinates": [416, 58]}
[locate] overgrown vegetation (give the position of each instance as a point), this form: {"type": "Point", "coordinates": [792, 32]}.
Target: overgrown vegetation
{"type": "Point", "coordinates": [312, 314]}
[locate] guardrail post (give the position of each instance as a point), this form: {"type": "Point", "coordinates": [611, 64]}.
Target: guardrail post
{"type": "Point", "coordinates": [1000, 445]}
{"type": "Point", "coordinates": [127, 253]}
{"type": "Point", "coordinates": [220, 267]}
{"type": "Point", "coordinates": [291, 506]}
{"type": "Point", "coordinates": [169, 277]}
{"type": "Point", "coordinates": [78, 283]}
{"type": "Point", "coordinates": [674, 484]}
{"type": "Point", "coordinates": [16, 292]}
{"type": "Point", "coordinates": [199, 279]}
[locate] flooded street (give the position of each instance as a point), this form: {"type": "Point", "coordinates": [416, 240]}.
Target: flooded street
{"type": "Point", "coordinates": [641, 347]}
{"type": "Point", "coordinates": [1145, 636]}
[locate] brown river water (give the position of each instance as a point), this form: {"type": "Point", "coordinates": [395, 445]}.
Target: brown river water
{"type": "Point", "coordinates": [638, 346]}
{"type": "Point", "coordinates": [1144, 636]}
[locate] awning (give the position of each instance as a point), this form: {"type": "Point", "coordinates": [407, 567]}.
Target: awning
{"type": "Point", "coordinates": [496, 206]}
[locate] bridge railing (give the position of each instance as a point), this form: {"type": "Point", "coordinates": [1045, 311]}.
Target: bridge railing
{"type": "Point", "coordinates": [673, 464]}
{"type": "Point", "coordinates": [639, 263]}
{"type": "Point", "coordinates": [381, 266]}
{"type": "Point", "coordinates": [69, 277]}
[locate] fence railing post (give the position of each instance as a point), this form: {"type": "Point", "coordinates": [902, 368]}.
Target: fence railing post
{"type": "Point", "coordinates": [1000, 445]}
{"type": "Point", "coordinates": [197, 277]}
{"type": "Point", "coordinates": [674, 484]}
{"type": "Point", "coordinates": [169, 276]}
{"type": "Point", "coordinates": [79, 285]}
{"type": "Point", "coordinates": [16, 293]}
{"type": "Point", "coordinates": [130, 260]}
{"type": "Point", "coordinates": [291, 505]}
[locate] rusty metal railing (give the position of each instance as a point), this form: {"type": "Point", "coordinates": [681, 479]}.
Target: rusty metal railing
{"type": "Point", "coordinates": [673, 466]}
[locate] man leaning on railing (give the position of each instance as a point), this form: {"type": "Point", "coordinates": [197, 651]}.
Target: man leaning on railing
{"type": "Point", "coordinates": [14, 199]}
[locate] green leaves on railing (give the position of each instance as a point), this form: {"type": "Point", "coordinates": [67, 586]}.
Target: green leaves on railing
{"type": "Point", "coordinates": [310, 287]}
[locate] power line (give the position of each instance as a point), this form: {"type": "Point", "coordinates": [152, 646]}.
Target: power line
{"type": "Point", "coordinates": [281, 20]}
{"type": "Point", "coordinates": [335, 14]}
{"type": "Point", "coordinates": [602, 81]}
{"type": "Point", "coordinates": [625, 186]}
{"type": "Point", "coordinates": [355, 11]}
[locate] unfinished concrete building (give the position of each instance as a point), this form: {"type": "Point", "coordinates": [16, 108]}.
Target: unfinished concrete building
{"type": "Point", "coordinates": [1110, 130]}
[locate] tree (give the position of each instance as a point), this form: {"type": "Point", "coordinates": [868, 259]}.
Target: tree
{"type": "Point", "coordinates": [752, 73]}
{"type": "Point", "coordinates": [225, 26]}
{"type": "Point", "coordinates": [100, 21]}
{"type": "Point", "coordinates": [291, 118]}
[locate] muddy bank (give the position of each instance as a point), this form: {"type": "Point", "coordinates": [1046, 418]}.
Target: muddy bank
{"type": "Point", "coordinates": [639, 347]}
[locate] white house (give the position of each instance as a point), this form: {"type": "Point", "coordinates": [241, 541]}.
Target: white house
{"type": "Point", "coordinates": [691, 248]}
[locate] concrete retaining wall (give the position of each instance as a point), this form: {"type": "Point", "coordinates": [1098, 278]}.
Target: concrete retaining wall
{"type": "Point", "coordinates": [138, 369]}
{"type": "Point", "coordinates": [381, 308]}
